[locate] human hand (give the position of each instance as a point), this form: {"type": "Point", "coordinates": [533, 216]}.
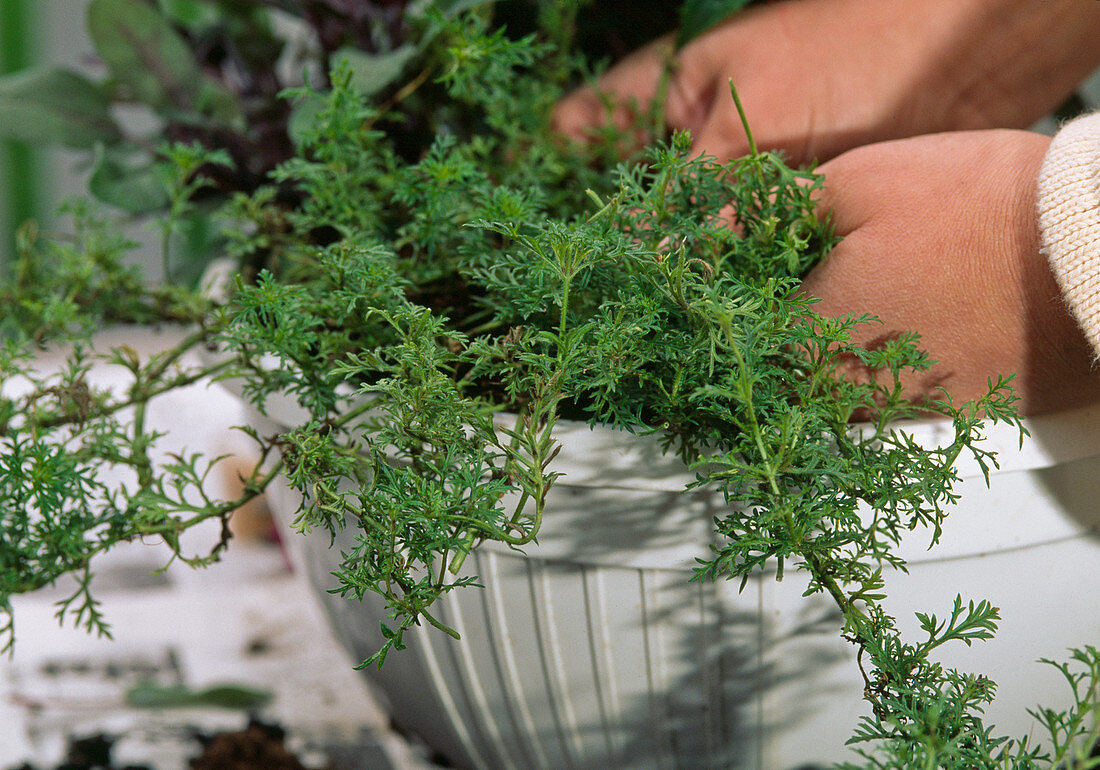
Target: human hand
{"type": "Point", "coordinates": [818, 77]}
{"type": "Point", "coordinates": [940, 238]}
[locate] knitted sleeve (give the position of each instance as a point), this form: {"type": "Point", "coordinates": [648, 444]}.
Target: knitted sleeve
{"type": "Point", "coordinates": [1069, 219]}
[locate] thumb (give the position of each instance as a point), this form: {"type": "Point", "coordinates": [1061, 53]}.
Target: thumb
{"type": "Point", "coordinates": [578, 114]}
{"type": "Point", "coordinates": [724, 132]}
{"type": "Point", "coordinates": [855, 184]}
{"type": "Point", "coordinates": [721, 137]}
{"type": "Point", "coordinates": [616, 99]}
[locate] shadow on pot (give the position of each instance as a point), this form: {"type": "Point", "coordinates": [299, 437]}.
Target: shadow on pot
{"type": "Point", "coordinates": [567, 663]}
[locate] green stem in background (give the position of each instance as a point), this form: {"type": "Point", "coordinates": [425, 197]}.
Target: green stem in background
{"type": "Point", "coordinates": [165, 253]}
{"type": "Point", "coordinates": [17, 162]}
{"type": "Point", "coordinates": [744, 120]}
{"type": "Point", "coordinates": [657, 109]}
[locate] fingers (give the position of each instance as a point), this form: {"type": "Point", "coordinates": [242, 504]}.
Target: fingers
{"type": "Point", "coordinates": [708, 113]}
{"type": "Point", "coordinates": [576, 114]}
{"type": "Point", "coordinates": [722, 134]}
{"type": "Point", "coordinates": [695, 98]}
{"type": "Point", "coordinates": [620, 95]}
{"type": "Point", "coordinates": [693, 85]}
{"type": "Point", "coordinates": [940, 238]}
{"type": "Point", "coordinates": [860, 182]}
{"type": "Point", "coordinates": [896, 180]}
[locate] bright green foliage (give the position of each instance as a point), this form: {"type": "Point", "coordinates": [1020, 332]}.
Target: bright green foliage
{"type": "Point", "coordinates": [437, 306]}
{"type": "Point", "coordinates": [69, 285]}
{"type": "Point", "coordinates": [342, 164]}
{"type": "Point", "coordinates": [1075, 733]}
{"type": "Point", "coordinates": [935, 722]}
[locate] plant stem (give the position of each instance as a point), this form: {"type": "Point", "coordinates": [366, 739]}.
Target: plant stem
{"type": "Point", "coordinates": [657, 109]}
{"type": "Point", "coordinates": [17, 162]}
{"type": "Point", "coordinates": [145, 394]}
{"type": "Point", "coordinates": [441, 626]}
{"type": "Point", "coordinates": [817, 566]}
{"type": "Point", "coordinates": [744, 120]}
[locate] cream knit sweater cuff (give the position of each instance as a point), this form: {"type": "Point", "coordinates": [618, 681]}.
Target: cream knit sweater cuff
{"type": "Point", "coordinates": [1069, 219]}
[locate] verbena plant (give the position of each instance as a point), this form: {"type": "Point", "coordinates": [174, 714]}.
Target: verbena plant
{"type": "Point", "coordinates": [438, 308]}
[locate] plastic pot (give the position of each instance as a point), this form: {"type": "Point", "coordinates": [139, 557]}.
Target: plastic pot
{"type": "Point", "coordinates": [593, 648]}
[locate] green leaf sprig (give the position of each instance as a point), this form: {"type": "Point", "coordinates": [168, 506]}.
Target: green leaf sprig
{"type": "Point", "coordinates": [436, 309]}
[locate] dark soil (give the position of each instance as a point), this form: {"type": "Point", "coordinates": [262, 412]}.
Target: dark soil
{"type": "Point", "coordinates": [90, 753]}
{"type": "Point", "coordinates": [259, 746]}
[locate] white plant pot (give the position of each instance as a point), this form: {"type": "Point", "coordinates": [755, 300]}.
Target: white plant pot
{"type": "Point", "coordinates": [593, 649]}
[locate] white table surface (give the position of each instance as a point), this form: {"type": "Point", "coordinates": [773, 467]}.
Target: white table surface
{"type": "Point", "coordinates": [248, 620]}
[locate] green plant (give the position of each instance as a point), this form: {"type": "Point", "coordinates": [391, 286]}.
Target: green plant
{"type": "Point", "coordinates": [18, 165]}
{"type": "Point", "coordinates": [438, 307]}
